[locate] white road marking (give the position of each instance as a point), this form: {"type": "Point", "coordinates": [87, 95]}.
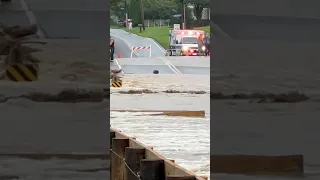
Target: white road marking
{"type": "Point", "coordinates": [160, 47]}
{"type": "Point", "coordinates": [129, 46]}
{"type": "Point", "coordinates": [127, 42]}
{"type": "Point", "coordinates": [31, 17]}
{"type": "Point", "coordinates": [165, 61]}
{"type": "Point", "coordinates": [142, 38]}
{"type": "Point", "coordinates": [170, 65]}
{"type": "Point", "coordinates": [118, 64]}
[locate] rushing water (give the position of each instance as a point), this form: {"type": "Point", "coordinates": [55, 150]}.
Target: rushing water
{"type": "Point", "coordinates": [17, 168]}
{"type": "Point", "coordinates": [186, 140]}
{"type": "Point", "coordinates": [241, 127]}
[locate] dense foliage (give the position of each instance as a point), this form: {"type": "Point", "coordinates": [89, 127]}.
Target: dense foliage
{"type": "Point", "coordinates": [156, 9]}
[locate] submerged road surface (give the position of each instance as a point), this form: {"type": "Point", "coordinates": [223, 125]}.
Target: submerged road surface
{"type": "Point", "coordinates": [57, 18]}
{"type": "Point", "coordinates": [279, 57]}
{"type": "Point", "coordinates": [55, 127]}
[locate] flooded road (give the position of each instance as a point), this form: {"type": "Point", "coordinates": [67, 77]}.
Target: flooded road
{"type": "Point", "coordinates": [186, 140]}
{"type": "Point", "coordinates": [173, 137]}
{"type": "Point", "coordinates": [27, 169]}
{"type": "Point", "coordinates": [266, 128]}
{"type": "Point", "coordinates": [52, 127]}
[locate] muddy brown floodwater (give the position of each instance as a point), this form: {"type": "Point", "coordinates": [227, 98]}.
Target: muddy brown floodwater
{"type": "Point", "coordinates": [55, 127]}
{"type": "Point", "coordinates": [12, 168]}
{"type": "Point", "coordinates": [243, 127]}
{"type": "Point", "coordinates": [184, 139]}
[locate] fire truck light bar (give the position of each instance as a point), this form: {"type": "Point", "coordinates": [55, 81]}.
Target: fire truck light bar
{"type": "Point", "coordinates": [191, 32]}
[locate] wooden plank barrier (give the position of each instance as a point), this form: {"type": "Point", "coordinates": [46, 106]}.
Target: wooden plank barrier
{"type": "Point", "coordinates": [131, 160]}
{"type": "Point", "coordinates": [183, 113]}
{"type": "Point", "coordinates": [257, 165]}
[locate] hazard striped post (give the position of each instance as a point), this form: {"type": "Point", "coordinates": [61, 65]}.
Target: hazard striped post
{"type": "Point", "coordinates": [136, 48]}
{"type": "Point", "coordinates": [22, 72]}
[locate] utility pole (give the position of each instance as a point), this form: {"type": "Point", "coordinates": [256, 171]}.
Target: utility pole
{"type": "Point", "coordinates": [126, 10]}
{"type": "Point", "coordinates": [142, 14]}
{"type": "Point", "coordinates": [182, 14]}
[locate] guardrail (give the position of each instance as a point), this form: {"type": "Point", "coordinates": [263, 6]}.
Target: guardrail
{"type": "Point", "coordinates": [131, 160]}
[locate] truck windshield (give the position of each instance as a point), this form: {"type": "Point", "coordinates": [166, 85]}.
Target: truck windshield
{"type": "Point", "coordinates": [189, 40]}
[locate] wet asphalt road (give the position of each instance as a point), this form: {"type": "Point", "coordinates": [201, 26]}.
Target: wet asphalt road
{"type": "Point", "coordinates": [131, 40]}
{"type": "Point", "coordinates": [141, 63]}
{"type": "Point", "coordinates": [165, 65]}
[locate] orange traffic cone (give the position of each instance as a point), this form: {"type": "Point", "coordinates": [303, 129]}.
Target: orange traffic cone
{"type": "Point", "coordinates": [119, 55]}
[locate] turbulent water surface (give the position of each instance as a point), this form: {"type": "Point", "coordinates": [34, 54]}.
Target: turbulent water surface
{"type": "Point", "coordinates": [186, 140]}
{"type": "Point", "coordinates": [266, 66]}
{"type": "Point", "coordinates": [12, 168]}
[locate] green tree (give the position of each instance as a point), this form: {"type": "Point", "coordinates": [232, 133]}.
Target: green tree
{"type": "Point", "coordinates": [160, 9]}
{"type": "Point", "coordinates": [153, 9]}
{"type": "Point", "coordinates": [117, 8]}
{"type": "Point", "coordinates": [198, 6]}
{"type": "Point", "coordinates": [134, 12]}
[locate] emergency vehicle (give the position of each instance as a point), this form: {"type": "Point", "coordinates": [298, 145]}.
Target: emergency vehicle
{"type": "Point", "coordinates": [185, 43]}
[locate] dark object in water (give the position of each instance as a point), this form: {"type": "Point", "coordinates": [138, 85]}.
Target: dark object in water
{"type": "Point", "coordinates": [289, 97]}
{"type": "Point", "coordinates": [65, 96]}
{"type": "Point", "coordinates": [155, 72]}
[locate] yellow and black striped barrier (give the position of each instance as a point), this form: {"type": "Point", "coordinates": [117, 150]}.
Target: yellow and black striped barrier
{"type": "Point", "coordinates": [22, 72]}
{"type": "Point", "coordinates": [116, 84]}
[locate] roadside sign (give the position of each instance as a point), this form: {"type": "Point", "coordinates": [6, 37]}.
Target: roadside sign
{"type": "Point", "coordinates": [176, 26]}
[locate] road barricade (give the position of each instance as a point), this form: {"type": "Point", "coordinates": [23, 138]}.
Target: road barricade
{"type": "Point", "coordinates": [135, 48]}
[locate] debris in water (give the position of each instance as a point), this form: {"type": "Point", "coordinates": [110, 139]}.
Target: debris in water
{"type": "Point", "coordinates": [64, 96]}
{"type": "Point", "coordinates": [290, 97]}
